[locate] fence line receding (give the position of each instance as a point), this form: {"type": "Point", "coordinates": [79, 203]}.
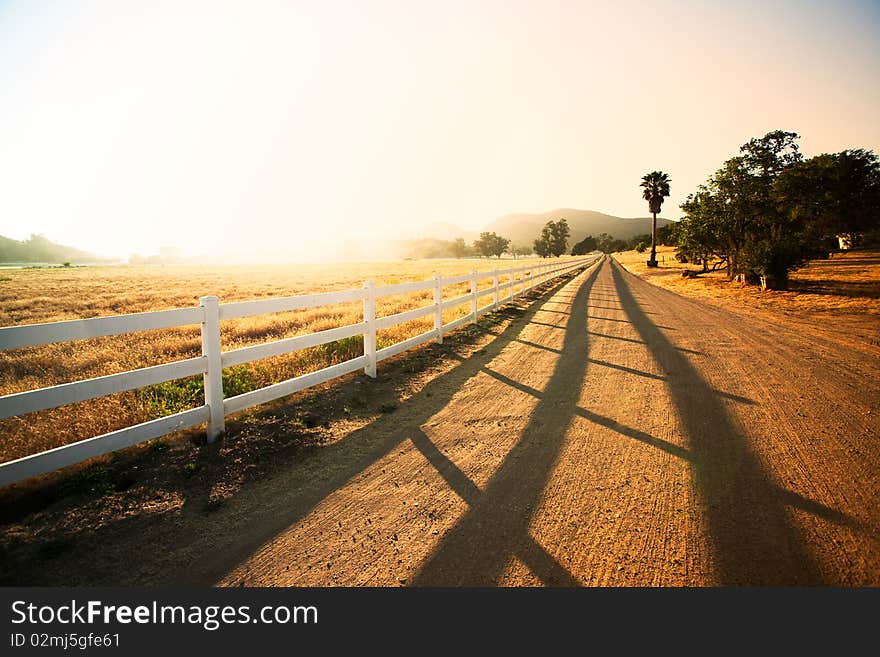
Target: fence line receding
{"type": "Point", "coordinates": [209, 313]}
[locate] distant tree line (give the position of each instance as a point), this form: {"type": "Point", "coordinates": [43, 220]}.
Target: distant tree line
{"type": "Point", "coordinates": [435, 248]}
{"type": "Point", "coordinates": [609, 244]}
{"type": "Point", "coordinates": [488, 245]}
{"type": "Point", "coordinates": [553, 242]}
{"type": "Point", "coordinates": [38, 248]}
{"type": "Point", "coordinates": [767, 211]}
{"type": "Point", "coordinates": [555, 234]}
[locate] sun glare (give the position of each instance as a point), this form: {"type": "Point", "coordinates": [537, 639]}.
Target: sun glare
{"type": "Point", "coordinates": [302, 126]}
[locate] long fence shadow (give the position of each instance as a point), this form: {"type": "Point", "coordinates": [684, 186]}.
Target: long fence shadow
{"type": "Point", "coordinates": [250, 520]}
{"type": "Point", "coordinates": [495, 528]}
{"type": "Point", "coordinates": [359, 450]}
{"type": "Point", "coordinates": [753, 538]}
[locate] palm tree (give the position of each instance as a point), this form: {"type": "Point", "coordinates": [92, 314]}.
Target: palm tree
{"type": "Point", "coordinates": [656, 186]}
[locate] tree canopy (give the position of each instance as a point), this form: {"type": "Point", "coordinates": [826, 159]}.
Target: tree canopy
{"type": "Point", "coordinates": [766, 211]}
{"type": "Point", "coordinates": [585, 246]}
{"type": "Point", "coordinates": [459, 247]}
{"type": "Point", "coordinates": [521, 250]}
{"type": "Point", "coordinates": [836, 194]}
{"type": "Point", "coordinates": [491, 244]}
{"type": "Point", "coordinates": [553, 240]}
{"type": "Point", "coordinates": [655, 188]}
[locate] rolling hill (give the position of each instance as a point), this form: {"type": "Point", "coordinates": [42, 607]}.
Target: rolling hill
{"type": "Point", "coordinates": [435, 240]}
{"type": "Point", "coordinates": [524, 228]}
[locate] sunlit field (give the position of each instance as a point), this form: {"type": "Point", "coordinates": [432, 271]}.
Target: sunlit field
{"type": "Point", "coordinates": [30, 296]}
{"type": "Point", "coordinates": [845, 283]}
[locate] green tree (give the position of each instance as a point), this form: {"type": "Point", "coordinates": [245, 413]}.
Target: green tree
{"type": "Point", "coordinates": [697, 235]}
{"type": "Point", "coordinates": [742, 217]}
{"type": "Point", "coordinates": [502, 244]}
{"type": "Point", "coordinates": [585, 246]}
{"type": "Point", "coordinates": [773, 241]}
{"type": "Point", "coordinates": [521, 250]}
{"type": "Point", "coordinates": [560, 233]}
{"type": "Point", "coordinates": [832, 195]}
{"type": "Point", "coordinates": [768, 156]}
{"type": "Point", "coordinates": [460, 248]}
{"type": "Point", "coordinates": [855, 197]}
{"type": "Point", "coordinates": [608, 244]}
{"type": "Point", "coordinates": [554, 239]}
{"type": "Point", "coordinates": [767, 211]}
{"type": "Point", "coordinates": [491, 244]}
{"type": "Point", "coordinates": [736, 216]}
{"type": "Point", "coordinates": [541, 246]}
{"type": "Point", "coordinates": [655, 188]}
{"type": "Point", "coordinates": [638, 239]}
{"type": "Point", "coordinates": [733, 215]}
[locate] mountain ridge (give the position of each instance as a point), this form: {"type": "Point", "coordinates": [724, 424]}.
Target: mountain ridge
{"type": "Point", "coordinates": [523, 227]}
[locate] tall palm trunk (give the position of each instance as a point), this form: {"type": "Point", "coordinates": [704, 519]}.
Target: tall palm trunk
{"type": "Point", "coordinates": [656, 188]}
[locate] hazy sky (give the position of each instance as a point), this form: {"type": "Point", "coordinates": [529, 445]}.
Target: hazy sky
{"type": "Point", "coordinates": [261, 127]}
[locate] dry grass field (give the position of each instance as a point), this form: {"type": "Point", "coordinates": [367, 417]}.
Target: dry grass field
{"type": "Point", "coordinates": [29, 296]}
{"type": "Point", "coordinates": [838, 298]}
{"type": "Point", "coordinates": [847, 283]}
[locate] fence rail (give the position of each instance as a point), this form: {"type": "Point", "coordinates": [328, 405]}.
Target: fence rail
{"type": "Point", "coordinates": [209, 313]}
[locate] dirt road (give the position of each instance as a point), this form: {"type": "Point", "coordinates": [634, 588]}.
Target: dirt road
{"type": "Point", "coordinates": [601, 431]}
{"type": "Point", "coordinates": [617, 434]}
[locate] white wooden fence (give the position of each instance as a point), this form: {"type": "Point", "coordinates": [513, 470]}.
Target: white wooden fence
{"type": "Point", "coordinates": [209, 313]}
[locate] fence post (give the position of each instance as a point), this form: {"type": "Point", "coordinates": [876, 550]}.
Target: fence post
{"type": "Point", "coordinates": [213, 377]}
{"type": "Point", "coordinates": [370, 330]}
{"type": "Point", "coordinates": [438, 309]}
{"type": "Point", "coordinates": [473, 297]}
{"type": "Point", "coordinates": [495, 289]}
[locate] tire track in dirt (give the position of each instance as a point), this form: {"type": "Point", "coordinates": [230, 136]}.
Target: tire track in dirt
{"type": "Point", "coordinates": [612, 503]}
{"type": "Point", "coordinates": [749, 536]}
{"type": "Point", "coordinates": [414, 495]}
{"type": "Point", "coordinates": [800, 425]}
